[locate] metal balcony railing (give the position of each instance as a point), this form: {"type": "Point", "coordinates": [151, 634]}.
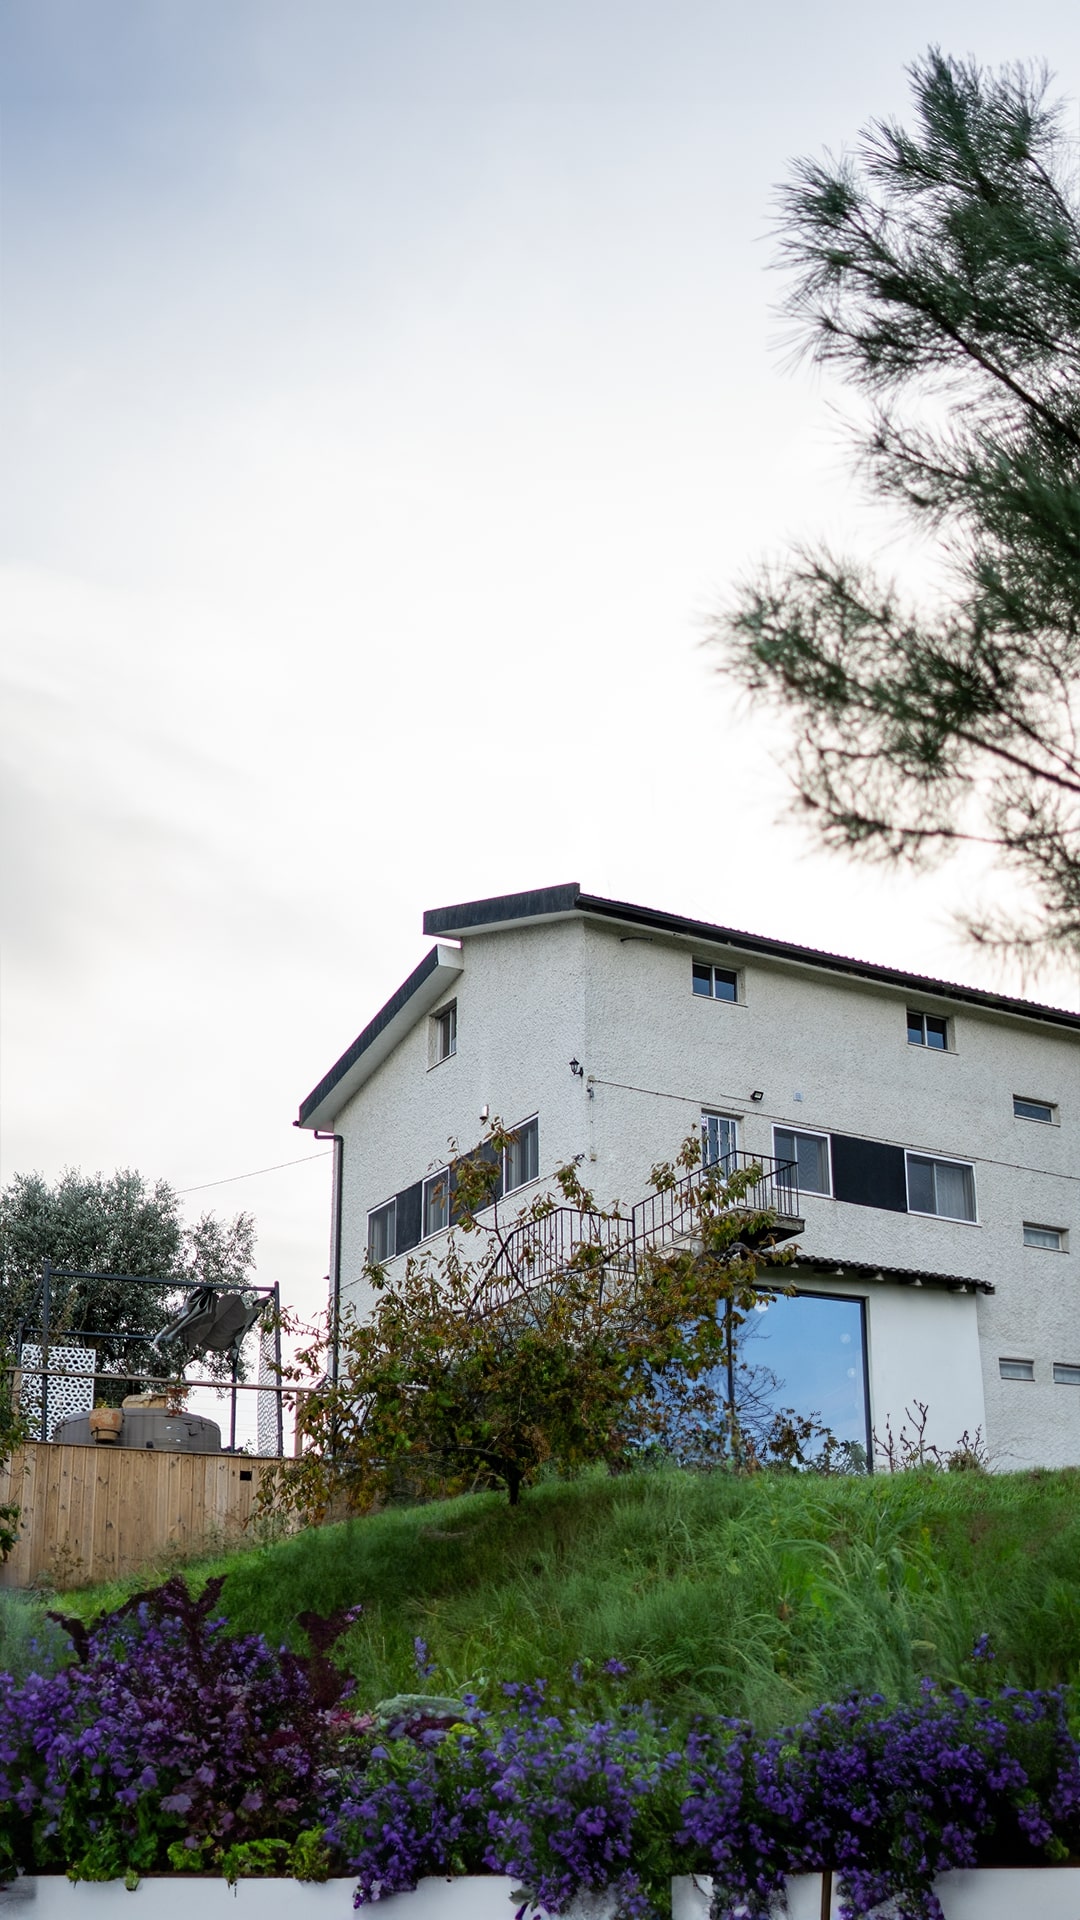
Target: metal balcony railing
{"type": "Point", "coordinates": [547, 1245]}
{"type": "Point", "coordinates": [773, 1187]}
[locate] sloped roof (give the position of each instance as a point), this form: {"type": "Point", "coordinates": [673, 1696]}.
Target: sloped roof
{"type": "Point", "coordinates": [563, 902]}
{"type": "Point", "coordinates": [542, 905]}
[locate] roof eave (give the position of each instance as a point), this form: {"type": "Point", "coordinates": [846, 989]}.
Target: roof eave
{"type": "Point", "coordinates": [502, 911]}
{"type": "Point", "coordinates": [414, 998]}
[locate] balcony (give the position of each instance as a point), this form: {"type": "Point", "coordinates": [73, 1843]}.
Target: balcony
{"type": "Point", "coordinates": [768, 1204]}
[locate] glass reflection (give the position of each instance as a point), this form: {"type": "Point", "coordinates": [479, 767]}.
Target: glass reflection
{"type": "Point", "coordinates": [806, 1352]}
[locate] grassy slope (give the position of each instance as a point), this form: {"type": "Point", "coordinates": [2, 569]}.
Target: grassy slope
{"type": "Point", "coordinates": [759, 1597]}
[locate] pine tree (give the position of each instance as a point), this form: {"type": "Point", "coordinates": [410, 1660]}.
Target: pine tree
{"type": "Point", "coordinates": [938, 271]}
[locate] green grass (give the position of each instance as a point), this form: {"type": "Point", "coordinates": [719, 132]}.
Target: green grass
{"type": "Point", "coordinates": [759, 1597]}
{"type": "Point", "coordinates": [28, 1640]}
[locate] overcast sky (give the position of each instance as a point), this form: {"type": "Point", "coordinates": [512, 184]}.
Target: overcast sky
{"type": "Point", "coordinates": [390, 390]}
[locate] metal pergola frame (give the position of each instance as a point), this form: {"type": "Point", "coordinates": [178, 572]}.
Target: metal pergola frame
{"type": "Point", "coordinates": [176, 1284]}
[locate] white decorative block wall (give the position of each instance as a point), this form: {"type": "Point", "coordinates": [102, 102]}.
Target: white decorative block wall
{"type": "Point", "coordinates": [66, 1395]}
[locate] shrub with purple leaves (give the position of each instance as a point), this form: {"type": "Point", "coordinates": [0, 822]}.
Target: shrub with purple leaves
{"type": "Point", "coordinates": [166, 1728]}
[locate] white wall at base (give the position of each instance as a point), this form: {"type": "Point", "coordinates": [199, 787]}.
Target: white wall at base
{"type": "Point", "coordinates": [175, 1897]}
{"type": "Point", "coordinates": [992, 1893]}
{"type": "Point", "coordinates": [989, 1893]}
{"type": "Point", "coordinates": [924, 1345]}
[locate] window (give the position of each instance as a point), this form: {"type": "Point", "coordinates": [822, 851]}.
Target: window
{"type": "Point", "coordinates": [1052, 1238]}
{"type": "Point", "coordinates": [944, 1187]}
{"type": "Point", "coordinates": [444, 1033]}
{"type": "Point", "coordinates": [719, 1140]}
{"type": "Point", "coordinates": [437, 1202]}
{"type": "Point", "coordinates": [1016, 1369]}
{"type": "Point", "coordinates": [1066, 1376]}
{"type": "Point", "coordinates": [927, 1030]}
{"type": "Point", "coordinates": [810, 1152]}
{"type": "Point", "coordinates": [521, 1159]}
{"type": "Point", "coordinates": [714, 983]}
{"type": "Point", "coordinates": [382, 1233]}
{"type": "Point", "coordinates": [805, 1352]}
{"type": "Point", "coordinates": [1034, 1110]}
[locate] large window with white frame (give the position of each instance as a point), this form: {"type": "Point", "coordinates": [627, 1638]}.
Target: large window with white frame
{"type": "Point", "coordinates": [382, 1233]}
{"type": "Point", "coordinates": [719, 1140]}
{"type": "Point", "coordinates": [521, 1156]}
{"type": "Point", "coordinates": [942, 1187]}
{"type": "Point", "coordinates": [437, 1202]}
{"type": "Point", "coordinates": [810, 1153]}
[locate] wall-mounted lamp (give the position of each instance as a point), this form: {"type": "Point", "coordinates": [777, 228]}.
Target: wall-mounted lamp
{"type": "Point", "coordinates": [577, 1069]}
{"type": "Point", "coordinates": [759, 1094]}
{"type": "Point", "coordinates": [484, 1114]}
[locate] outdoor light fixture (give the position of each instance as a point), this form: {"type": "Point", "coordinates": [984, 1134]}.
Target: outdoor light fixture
{"type": "Point", "coordinates": [759, 1095]}
{"type": "Point", "coordinates": [577, 1069]}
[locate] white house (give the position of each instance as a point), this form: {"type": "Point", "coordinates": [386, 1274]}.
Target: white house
{"type": "Point", "coordinates": [934, 1128]}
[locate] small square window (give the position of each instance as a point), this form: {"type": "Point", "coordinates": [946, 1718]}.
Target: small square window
{"type": "Point", "coordinates": [437, 1202]}
{"type": "Point", "coordinates": [810, 1152]}
{"type": "Point", "coordinates": [1016, 1369]}
{"type": "Point", "coordinates": [382, 1233]}
{"type": "Point", "coordinates": [927, 1030]}
{"type": "Point", "coordinates": [444, 1032]}
{"type": "Point", "coordinates": [1042, 1110]}
{"type": "Point", "coordinates": [521, 1159]}
{"type": "Point", "coordinates": [1052, 1238]}
{"type": "Point", "coordinates": [714, 983]}
{"type": "Point", "coordinates": [1065, 1376]}
{"type": "Point", "coordinates": [943, 1187]}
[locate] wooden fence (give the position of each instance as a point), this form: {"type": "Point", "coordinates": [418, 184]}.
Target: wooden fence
{"type": "Point", "coordinates": [91, 1513]}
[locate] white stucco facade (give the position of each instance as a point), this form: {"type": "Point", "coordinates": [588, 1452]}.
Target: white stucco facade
{"type": "Point", "coordinates": [823, 1044]}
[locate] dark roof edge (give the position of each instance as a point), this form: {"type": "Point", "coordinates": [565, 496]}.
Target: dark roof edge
{"type": "Point", "coordinates": [827, 1267]}
{"type": "Point", "coordinates": [371, 1033]}
{"type": "Point", "coordinates": [549, 902]}
{"type": "Point", "coordinates": [542, 904]}
{"type": "Point", "coordinates": [816, 957]}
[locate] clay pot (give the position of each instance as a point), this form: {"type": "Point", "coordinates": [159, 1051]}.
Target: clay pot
{"type": "Point", "coordinates": [105, 1425]}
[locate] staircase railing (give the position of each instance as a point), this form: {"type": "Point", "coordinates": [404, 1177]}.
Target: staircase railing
{"type": "Point", "coordinates": [546, 1245]}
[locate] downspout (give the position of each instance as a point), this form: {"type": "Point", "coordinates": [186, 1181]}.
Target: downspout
{"type": "Point", "coordinates": [335, 1250]}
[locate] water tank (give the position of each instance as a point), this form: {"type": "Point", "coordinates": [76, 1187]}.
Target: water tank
{"type": "Point", "coordinates": [147, 1427]}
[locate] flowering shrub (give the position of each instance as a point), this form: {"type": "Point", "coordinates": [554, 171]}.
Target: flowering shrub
{"type": "Point", "coordinates": [889, 1797]}
{"type": "Point", "coordinates": [562, 1802]}
{"type": "Point", "coordinates": [170, 1742]}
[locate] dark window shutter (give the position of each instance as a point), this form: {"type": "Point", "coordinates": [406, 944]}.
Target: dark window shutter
{"type": "Point", "coordinates": [410, 1207]}
{"type": "Point", "coordinates": [868, 1173]}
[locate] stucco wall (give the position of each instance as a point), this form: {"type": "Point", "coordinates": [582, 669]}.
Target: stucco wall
{"type": "Point", "coordinates": [828, 1053]}
{"type": "Point", "coordinates": [518, 1027]}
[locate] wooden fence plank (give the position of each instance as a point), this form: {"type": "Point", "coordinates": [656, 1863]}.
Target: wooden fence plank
{"type": "Point", "coordinates": [89, 1514]}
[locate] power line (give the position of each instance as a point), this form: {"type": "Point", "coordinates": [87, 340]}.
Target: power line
{"type": "Point", "coordinates": [255, 1171]}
